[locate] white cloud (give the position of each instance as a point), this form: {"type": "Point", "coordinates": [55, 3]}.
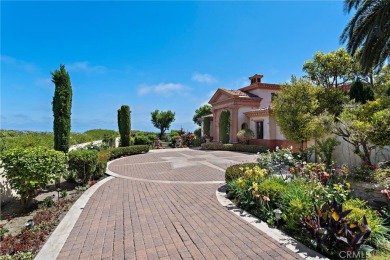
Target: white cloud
{"type": "Point", "coordinates": [29, 67]}
{"type": "Point", "coordinates": [164, 89]}
{"type": "Point", "coordinates": [203, 78]}
{"type": "Point", "coordinates": [84, 66]}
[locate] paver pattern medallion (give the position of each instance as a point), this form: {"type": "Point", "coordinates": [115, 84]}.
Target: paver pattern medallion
{"type": "Point", "coordinates": [162, 205]}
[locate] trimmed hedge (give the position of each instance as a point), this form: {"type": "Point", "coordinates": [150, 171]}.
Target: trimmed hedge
{"type": "Point", "coordinates": [234, 172]}
{"type": "Point", "coordinates": [126, 151]}
{"type": "Point", "coordinates": [101, 166]}
{"type": "Point", "coordinates": [83, 162]}
{"type": "Point", "coordinates": [234, 147]}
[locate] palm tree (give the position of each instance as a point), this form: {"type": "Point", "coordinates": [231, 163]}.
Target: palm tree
{"type": "Point", "coordinates": [369, 29]}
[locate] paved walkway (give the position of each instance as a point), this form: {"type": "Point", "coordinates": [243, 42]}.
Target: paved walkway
{"type": "Point", "coordinates": [163, 205]}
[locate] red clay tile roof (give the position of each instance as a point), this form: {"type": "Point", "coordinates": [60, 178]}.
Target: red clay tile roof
{"type": "Point", "coordinates": [239, 93]}
{"type": "Point", "coordinates": [259, 85]}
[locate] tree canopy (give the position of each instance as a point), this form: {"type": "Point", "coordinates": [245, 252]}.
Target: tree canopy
{"type": "Point", "coordinates": [162, 120]}
{"type": "Point", "coordinates": [330, 69]}
{"type": "Point", "coordinates": [365, 126]}
{"type": "Point", "coordinates": [297, 111]}
{"type": "Point", "coordinates": [368, 29]}
{"type": "Point", "coordinates": [201, 111]}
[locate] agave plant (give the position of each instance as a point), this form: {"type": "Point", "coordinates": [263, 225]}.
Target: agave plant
{"type": "Point", "coordinates": [331, 231]}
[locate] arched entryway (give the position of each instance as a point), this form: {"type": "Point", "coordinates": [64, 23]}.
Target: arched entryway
{"type": "Point", "coordinates": [224, 127]}
{"type": "Point", "coordinates": [244, 126]}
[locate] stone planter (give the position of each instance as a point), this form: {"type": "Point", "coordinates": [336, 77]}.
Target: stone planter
{"type": "Point", "coordinates": [369, 192]}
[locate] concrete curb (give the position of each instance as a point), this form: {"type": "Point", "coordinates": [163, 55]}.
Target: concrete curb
{"type": "Point", "coordinates": [289, 242]}
{"type": "Point", "coordinates": [57, 239]}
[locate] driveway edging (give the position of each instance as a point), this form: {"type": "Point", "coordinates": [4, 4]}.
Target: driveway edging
{"type": "Point", "coordinates": [52, 247]}
{"type": "Point", "coordinates": [283, 239]}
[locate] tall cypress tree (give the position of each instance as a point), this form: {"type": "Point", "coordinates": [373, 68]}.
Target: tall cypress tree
{"type": "Point", "coordinates": [119, 122]}
{"type": "Point", "coordinates": [62, 105]}
{"type": "Point", "coordinates": [124, 124]}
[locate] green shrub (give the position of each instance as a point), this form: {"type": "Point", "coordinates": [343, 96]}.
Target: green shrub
{"type": "Point", "coordinates": [126, 151]}
{"type": "Point", "coordinates": [236, 171]}
{"type": "Point", "coordinates": [198, 133]}
{"type": "Point", "coordinates": [142, 138]}
{"type": "Point", "coordinates": [245, 135]}
{"type": "Point", "coordinates": [101, 165]}
{"type": "Point", "coordinates": [83, 162]}
{"type": "Point", "coordinates": [70, 176]}
{"type": "Point", "coordinates": [295, 204]}
{"type": "Point", "coordinates": [197, 142]}
{"type": "Point", "coordinates": [26, 170]}
{"type": "Point", "coordinates": [273, 187]}
{"type": "Point", "coordinates": [234, 147]}
{"type": "Point", "coordinates": [379, 234]}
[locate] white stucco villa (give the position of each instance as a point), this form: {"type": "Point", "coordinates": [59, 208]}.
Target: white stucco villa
{"type": "Point", "coordinates": [249, 107]}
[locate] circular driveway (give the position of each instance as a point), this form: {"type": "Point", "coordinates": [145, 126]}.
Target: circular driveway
{"type": "Point", "coordinates": [178, 165]}
{"type": "Point", "coordinates": [163, 205]}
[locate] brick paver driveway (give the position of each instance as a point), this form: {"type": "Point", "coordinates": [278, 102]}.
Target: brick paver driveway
{"type": "Point", "coordinates": [163, 205]}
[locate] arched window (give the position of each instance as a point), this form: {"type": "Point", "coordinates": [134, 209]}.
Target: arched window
{"type": "Point", "coordinates": [244, 126]}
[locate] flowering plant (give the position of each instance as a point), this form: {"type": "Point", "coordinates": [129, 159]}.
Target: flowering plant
{"type": "Point", "coordinates": [277, 160]}
{"type": "Point", "coordinates": [318, 172]}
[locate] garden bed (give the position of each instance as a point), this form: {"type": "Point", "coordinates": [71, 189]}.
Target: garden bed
{"type": "Point", "coordinates": [45, 211]}
{"type": "Point", "coordinates": [312, 203]}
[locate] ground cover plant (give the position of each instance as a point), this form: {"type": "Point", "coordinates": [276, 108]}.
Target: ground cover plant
{"type": "Point", "coordinates": [10, 139]}
{"type": "Point", "coordinates": [316, 203]}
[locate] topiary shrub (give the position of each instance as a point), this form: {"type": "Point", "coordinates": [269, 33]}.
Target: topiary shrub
{"type": "Point", "coordinates": [28, 169]}
{"type": "Point", "coordinates": [236, 171]}
{"type": "Point", "coordinates": [124, 124]}
{"type": "Point", "coordinates": [83, 162]}
{"type": "Point", "coordinates": [206, 126]}
{"type": "Point", "coordinates": [126, 151]}
{"type": "Point", "coordinates": [62, 105]}
{"type": "Point", "coordinates": [245, 135]}
{"type": "Point", "coordinates": [224, 127]}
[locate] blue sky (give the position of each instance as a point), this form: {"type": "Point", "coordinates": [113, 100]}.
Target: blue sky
{"type": "Point", "coordinates": [151, 55]}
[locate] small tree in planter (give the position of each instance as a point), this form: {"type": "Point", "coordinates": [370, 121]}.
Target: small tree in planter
{"type": "Point", "coordinates": [245, 135]}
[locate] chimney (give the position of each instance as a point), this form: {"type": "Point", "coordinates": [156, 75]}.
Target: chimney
{"type": "Point", "coordinates": [255, 79]}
